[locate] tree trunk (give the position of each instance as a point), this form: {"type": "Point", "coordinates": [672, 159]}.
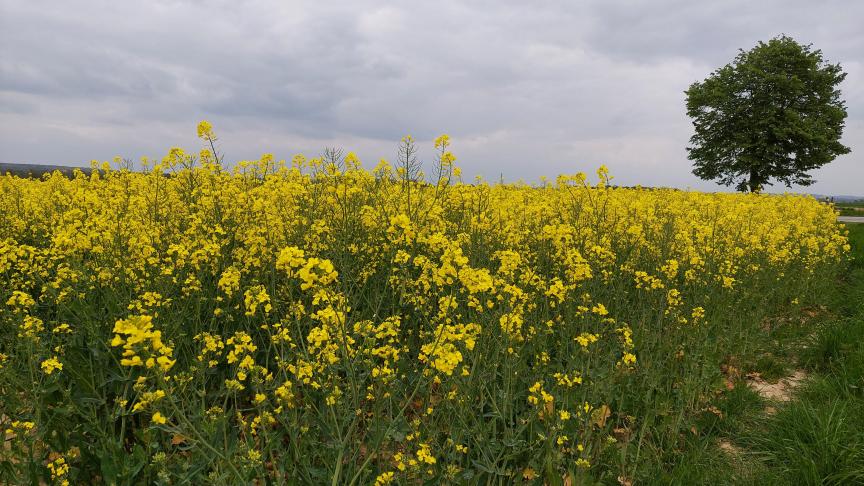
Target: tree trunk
{"type": "Point", "coordinates": [753, 184]}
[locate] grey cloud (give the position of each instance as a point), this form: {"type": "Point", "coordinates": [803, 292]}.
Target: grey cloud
{"type": "Point", "coordinates": [16, 105]}
{"type": "Point", "coordinates": [715, 31]}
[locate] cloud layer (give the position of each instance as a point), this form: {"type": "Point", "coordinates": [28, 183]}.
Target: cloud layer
{"type": "Point", "coordinates": [524, 88]}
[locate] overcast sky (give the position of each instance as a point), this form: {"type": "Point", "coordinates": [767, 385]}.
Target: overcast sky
{"type": "Point", "coordinates": [524, 88]}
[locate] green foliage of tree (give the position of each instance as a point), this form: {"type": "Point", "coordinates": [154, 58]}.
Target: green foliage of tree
{"type": "Point", "coordinates": [773, 112]}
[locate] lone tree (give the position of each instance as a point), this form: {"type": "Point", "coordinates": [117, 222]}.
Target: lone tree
{"type": "Point", "coordinates": [774, 112]}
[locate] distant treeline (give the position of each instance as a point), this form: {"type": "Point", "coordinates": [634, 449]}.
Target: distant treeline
{"type": "Point", "coordinates": [38, 170]}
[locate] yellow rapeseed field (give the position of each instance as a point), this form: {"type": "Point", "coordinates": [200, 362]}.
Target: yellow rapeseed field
{"type": "Point", "coordinates": [314, 322]}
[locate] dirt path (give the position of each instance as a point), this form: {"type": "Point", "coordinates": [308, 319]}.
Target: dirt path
{"type": "Point", "coordinates": [781, 391]}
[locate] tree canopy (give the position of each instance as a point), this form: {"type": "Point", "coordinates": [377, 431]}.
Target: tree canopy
{"type": "Point", "coordinates": [774, 112]}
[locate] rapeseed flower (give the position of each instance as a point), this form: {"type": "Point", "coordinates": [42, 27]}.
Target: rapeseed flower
{"type": "Point", "coordinates": [50, 365]}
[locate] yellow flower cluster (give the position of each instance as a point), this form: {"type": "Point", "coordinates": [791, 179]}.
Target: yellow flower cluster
{"type": "Point", "coordinates": [50, 365]}
{"type": "Point", "coordinates": [443, 352]}
{"type": "Point", "coordinates": [255, 297]}
{"type": "Point", "coordinates": [59, 469]}
{"type": "Point", "coordinates": [138, 339]}
{"type": "Point", "coordinates": [147, 399]}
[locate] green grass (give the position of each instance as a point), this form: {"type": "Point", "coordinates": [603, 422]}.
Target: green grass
{"type": "Point", "coordinates": [851, 208]}
{"type": "Point", "coordinates": [813, 440]}
{"type": "Point", "coordinates": [844, 211]}
{"type": "Point", "coordinates": [818, 437]}
{"type": "Point", "coordinates": [699, 458]}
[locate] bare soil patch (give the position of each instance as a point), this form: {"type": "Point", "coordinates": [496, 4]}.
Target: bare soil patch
{"type": "Point", "coordinates": [781, 391]}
